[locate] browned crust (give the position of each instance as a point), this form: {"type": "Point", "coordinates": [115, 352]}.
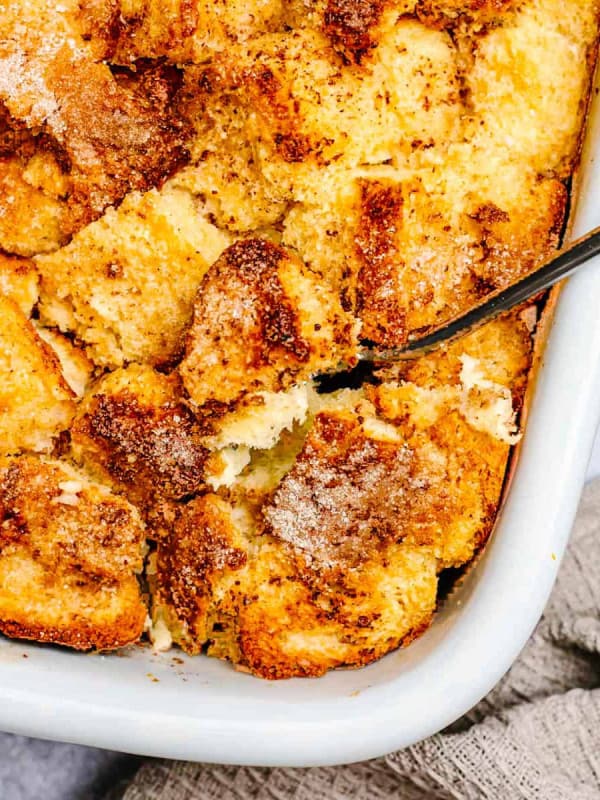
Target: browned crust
{"type": "Point", "coordinates": [416, 632]}
{"type": "Point", "coordinates": [250, 337]}
{"type": "Point", "coordinates": [200, 548]}
{"type": "Point", "coordinates": [152, 450]}
{"type": "Point", "coordinates": [396, 295]}
{"type": "Point", "coordinates": [292, 145]}
{"type": "Point", "coordinates": [349, 26]}
{"type": "Point", "coordinates": [115, 132]}
{"type": "Point", "coordinates": [301, 578]}
{"type": "Point", "coordinates": [268, 664]}
{"type": "Point", "coordinates": [85, 549]}
{"type": "Point", "coordinates": [18, 140]}
{"type": "Point", "coordinates": [101, 24]}
{"type": "Point", "coordinates": [29, 489]}
{"type": "Point", "coordinates": [114, 33]}
{"type": "Point", "coordinates": [43, 391]}
{"type": "Point", "coordinates": [345, 497]}
{"type": "Point", "coordinates": [379, 295]}
{"type": "Point", "coordinates": [511, 251]}
{"type": "Point", "coordinates": [16, 264]}
{"type": "Point", "coordinates": [268, 93]}
{"type": "Point", "coordinates": [444, 14]}
{"type": "Point", "coordinates": [49, 359]}
{"type": "Point", "coordinates": [256, 263]}
{"type": "Point", "coordinates": [81, 635]}
{"type": "Point", "coordinates": [136, 139]}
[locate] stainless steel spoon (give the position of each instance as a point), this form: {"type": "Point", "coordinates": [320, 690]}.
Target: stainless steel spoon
{"type": "Point", "coordinates": [560, 266]}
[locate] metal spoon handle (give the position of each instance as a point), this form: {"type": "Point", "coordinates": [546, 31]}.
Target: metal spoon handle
{"type": "Point", "coordinates": [560, 266]}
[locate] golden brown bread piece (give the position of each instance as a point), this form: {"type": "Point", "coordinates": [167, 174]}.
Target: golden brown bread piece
{"type": "Point", "coordinates": [296, 92]}
{"type": "Point", "coordinates": [300, 625]}
{"type": "Point", "coordinates": [134, 433]}
{"type": "Point", "coordinates": [36, 403]}
{"type": "Point", "coordinates": [194, 565]}
{"type": "Point", "coordinates": [345, 499]}
{"type": "Point", "coordinates": [69, 555]}
{"type": "Point", "coordinates": [34, 215]}
{"type": "Point", "coordinates": [137, 140]}
{"type": "Point", "coordinates": [226, 180]}
{"type": "Point", "coordinates": [275, 324]}
{"type": "Point", "coordinates": [126, 283]}
{"type": "Point", "coordinates": [112, 136]}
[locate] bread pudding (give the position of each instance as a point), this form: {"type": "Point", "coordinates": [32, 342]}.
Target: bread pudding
{"type": "Point", "coordinates": [204, 209]}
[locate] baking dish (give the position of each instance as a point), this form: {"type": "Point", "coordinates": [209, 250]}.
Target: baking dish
{"type": "Point", "coordinates": [201, 709]}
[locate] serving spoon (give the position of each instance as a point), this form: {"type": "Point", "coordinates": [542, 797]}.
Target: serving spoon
{"type": "Point", "coordinates": [560, 266]}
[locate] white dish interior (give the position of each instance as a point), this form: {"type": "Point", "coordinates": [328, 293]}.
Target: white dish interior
{"type": "Point", "coordinates": [201, 709]}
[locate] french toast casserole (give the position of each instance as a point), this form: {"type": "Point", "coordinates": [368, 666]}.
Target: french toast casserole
{"type": "Point", "coordinates": [204, 204]}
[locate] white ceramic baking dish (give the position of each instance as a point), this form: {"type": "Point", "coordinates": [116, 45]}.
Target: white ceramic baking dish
{"type": "Point", "coordinates": [201, 709]}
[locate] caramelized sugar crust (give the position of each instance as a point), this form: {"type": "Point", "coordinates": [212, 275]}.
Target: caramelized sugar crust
{"type": "Point", "coordinates": [276, 323]}
{"type": "Point", "coordinates": [133, 430]}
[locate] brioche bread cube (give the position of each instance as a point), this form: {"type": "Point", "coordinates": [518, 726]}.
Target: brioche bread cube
{"type": "Point", "coordinates": [28, 199]}
{"type": "Point", "coordinates": [261, 321]}
{"type": "Point", "coordinates": [125, 285]}
{"type": "Point", "coordinates": [70, 552]}
{"type": "Point", "coordinates": [204, 554]}
{"type": "Point", "coordinates": [112, 134]}
{"type": "Point", "coordinates": [133, 431]}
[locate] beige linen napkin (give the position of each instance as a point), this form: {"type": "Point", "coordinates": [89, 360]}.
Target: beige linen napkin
{"type": "Point", "coordinates": [535, 736]}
